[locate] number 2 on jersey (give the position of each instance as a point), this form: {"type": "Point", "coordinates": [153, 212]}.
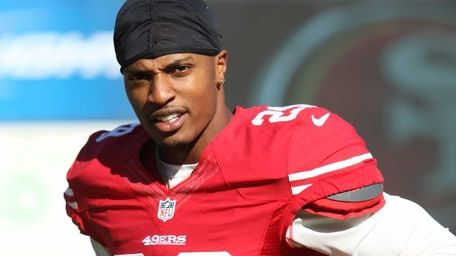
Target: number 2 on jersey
{"type": "Point", "coordinates": [279, 114]}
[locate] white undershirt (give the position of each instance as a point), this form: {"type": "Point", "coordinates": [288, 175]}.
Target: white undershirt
{"type": "Point", "coordinates": [401, 227]}
{"type": "Point", "coordinates": [173, 174]}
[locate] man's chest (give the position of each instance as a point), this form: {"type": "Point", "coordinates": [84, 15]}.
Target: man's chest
{"type": "Point", "coordinates": [233, 210]}
{"type": "Point", "coordinates": [203, 221]}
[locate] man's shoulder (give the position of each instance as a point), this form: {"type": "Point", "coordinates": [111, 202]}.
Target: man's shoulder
{"type": "Point", "coordinates": [105, 153]}
{"type": "Point", "coordinates": [108, 150]}
{"type": "Point", "coordinates": [256, 146]}
{"type": "Point", "coordinates": [118, 141]}
{"type": "Point", "coordinates": [267, 136]}
{"type": "Point", "coordinates": [99, 171]}
{"type": "Point", "coordinates": [263, 135]}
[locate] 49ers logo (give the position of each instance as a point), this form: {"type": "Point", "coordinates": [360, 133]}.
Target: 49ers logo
{"type": "Point", "coordinates": [165, 240]}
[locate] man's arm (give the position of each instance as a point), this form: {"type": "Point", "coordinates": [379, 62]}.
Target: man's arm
{"type": "Point", "coordinates": [401, 227]}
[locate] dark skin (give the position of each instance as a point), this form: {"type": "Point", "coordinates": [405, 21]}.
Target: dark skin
{"type": "Point", "coordinates": [180, 101]}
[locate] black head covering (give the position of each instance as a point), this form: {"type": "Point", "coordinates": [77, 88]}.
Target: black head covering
{"type": "Point", "coordinates": [152, 28]}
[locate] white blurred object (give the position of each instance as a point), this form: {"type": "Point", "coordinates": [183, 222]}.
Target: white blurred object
{"type": "Point", "coordinates": [50, 54]}
{"type": "Point", "coordinates": [34, 159]}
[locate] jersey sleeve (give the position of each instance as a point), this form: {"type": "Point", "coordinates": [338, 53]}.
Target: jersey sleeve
{"type": "Point", "coordinates": [76, 195]}
{"type": "Point", "coordinates": [91, 180]}
{"type": "Point", "coordinates": [328, 157]}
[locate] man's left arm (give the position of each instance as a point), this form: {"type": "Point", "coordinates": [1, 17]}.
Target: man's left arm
{"type": "Point", "coordinates": [400, 227]}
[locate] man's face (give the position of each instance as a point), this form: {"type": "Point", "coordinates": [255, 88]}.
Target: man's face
{"type": "Point", "coordinates": [177, 97]}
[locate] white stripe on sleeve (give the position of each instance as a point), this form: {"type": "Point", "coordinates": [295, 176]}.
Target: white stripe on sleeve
{"type": "Point", "coordinates": [302, 175]}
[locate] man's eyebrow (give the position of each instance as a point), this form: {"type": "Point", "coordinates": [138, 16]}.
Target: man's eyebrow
{"type": "Point", "coordinates": [174, 63]}
{"type": "Point", "coordinates": [179, 61]}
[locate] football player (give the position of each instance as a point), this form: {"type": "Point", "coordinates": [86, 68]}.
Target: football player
{"type": "Point", "coordinates": [195, 178]}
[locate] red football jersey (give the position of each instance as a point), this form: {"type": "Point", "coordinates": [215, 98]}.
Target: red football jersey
{"type": "Point", "coordinates": [251, 180]}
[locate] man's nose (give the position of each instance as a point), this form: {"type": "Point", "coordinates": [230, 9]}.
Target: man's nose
{"type": "Point", "coordinates": [161, 90]}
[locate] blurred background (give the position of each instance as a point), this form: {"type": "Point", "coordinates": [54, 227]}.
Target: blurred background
{"type": "Point", "coordinates": [388, 67]}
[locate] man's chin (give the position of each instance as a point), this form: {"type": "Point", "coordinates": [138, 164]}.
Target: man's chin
{"type": "Point", "coordinates": [173, 142]}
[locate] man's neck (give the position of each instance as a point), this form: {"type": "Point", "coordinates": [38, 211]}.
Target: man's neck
{"type": "Point", "coordinates": [190, 153]}
{"type": "Point", "coordinates": [179, 154]}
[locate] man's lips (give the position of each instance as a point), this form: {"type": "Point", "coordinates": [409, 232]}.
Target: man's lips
{"type": "Point", "coordinates": [169, 119]}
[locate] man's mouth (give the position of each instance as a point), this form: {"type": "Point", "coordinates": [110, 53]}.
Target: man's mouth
{"type": "Point", "coordinates": [169, 118]}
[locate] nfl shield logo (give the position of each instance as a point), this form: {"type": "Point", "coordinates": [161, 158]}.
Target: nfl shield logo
{"type": "Point", "coordinates": [166, 209]}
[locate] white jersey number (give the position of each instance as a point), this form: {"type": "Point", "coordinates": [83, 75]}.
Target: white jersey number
{"type": "Point", "coordinates": [279, 114]}
{"type": "Point", "coordinates": [119, 131]}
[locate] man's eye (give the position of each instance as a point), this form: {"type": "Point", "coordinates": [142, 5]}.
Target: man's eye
{"type": "Point", "coordinates": [179, 70]}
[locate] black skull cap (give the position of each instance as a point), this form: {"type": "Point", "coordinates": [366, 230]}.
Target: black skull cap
{"type": "Point", "coordinates": [153, 28]}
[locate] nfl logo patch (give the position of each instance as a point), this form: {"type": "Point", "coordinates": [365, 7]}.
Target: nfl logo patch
{"type": "Point", "coordinates": [166, 209]}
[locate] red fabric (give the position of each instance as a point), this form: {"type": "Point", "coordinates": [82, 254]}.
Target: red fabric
{"type": "Point", "coordinates": [343, 210]}
{"type": "Point", "coordinates": [239, 199]}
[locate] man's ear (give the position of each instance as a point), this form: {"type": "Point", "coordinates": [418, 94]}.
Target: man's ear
{"type": "Point", "coordinates": [221, 62]}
